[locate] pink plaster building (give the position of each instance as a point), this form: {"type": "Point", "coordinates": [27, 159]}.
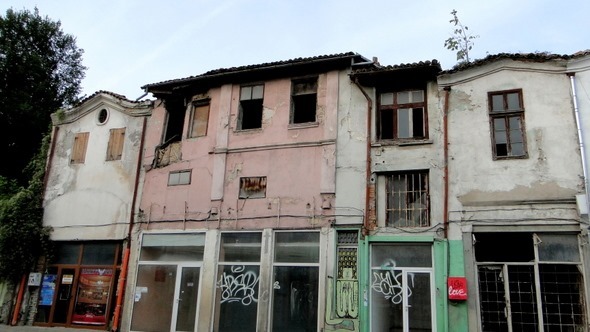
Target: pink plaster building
{"type": "Point", "coordinates": [238, 198]}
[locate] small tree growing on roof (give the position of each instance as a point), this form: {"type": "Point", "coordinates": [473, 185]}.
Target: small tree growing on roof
{"type": "Point", "coordinates": [461, 41]}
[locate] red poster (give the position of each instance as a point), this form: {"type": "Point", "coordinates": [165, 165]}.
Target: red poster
{"type": "Point", "coordinates": [94, 289]}
{"type": "Point", "coordinates": [457, 288]}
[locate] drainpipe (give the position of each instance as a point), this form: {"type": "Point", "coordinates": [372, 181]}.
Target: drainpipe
{"type": "Point", "coordinates": [572, 77]}
{"type": "Point", "coordinates": [19, 300]}
{"type": "Point", "coordinates": [50, 158]}
{"type": "Point", "coordinates": [446, 162]}
{"type": "Point", "coordinates": [126, 253]}
{"type": "Point", "coordinates": [367, 226]}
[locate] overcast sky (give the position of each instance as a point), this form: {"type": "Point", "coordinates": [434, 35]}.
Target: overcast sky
{"type": "Point", "coordinates": [130, 43]}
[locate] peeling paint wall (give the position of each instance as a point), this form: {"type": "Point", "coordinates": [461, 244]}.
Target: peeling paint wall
{"type": "Point", "coordinates": [92, 200]}
{"type": "Point", "coordinates": [552, 171]}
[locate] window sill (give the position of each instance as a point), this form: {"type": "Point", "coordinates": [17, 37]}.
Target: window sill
{"type": "Point", "coordinates": [402, 143]}
{"type": "Point", "coordinates": [303, 125]}
{"type": "Point", "coordinates": [248, 131]}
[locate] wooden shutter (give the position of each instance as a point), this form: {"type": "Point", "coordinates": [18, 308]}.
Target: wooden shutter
{"type": "Point", "coordinates": [116, 140]}
{"type": "Point", "coordinates": [79, 148]}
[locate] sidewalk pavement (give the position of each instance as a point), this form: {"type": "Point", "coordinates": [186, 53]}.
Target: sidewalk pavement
{"type": "Point", "coordinates": [8, 328]}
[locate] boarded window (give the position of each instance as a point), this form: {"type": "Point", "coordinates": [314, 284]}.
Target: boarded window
{"type": "Point", "coordinates": [253, 187]}
{"type": "Point", "coordinates": [199, 120]}
{"type": "Point", "coordinates": [507, 123]}
{"type": "Point", "coordinates": [179, 177]}
{"type": "Point", "coordinates": [402, 115]}
{"type": "Point", "coordinates": [79, 148]}
{"type": "Point", "coordinates": [250, 113]}
{"type": "Point", "coordinates": [116, 141]}
{"type": "Point", "coordinates": [304, 100]}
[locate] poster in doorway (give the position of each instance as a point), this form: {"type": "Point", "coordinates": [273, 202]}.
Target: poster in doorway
{"type": "Point", "coordinates": [94, 289]}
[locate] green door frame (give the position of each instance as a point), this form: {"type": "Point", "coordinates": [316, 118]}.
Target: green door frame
{"type": "Point", "coordinates": [440, 267]}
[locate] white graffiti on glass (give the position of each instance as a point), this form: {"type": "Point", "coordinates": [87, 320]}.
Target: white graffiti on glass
{"type": "Point", "coordinates": [239, 286]}
{"type": "Point", "coordinates": [388, 282]}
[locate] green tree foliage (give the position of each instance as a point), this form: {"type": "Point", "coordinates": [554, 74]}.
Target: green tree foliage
{"type": "Point", "coordinates": [461, 41]}
{"type": "Point", "coordinates": [40, 71]}
{"type": "Point", "coordinates": [23, 239]}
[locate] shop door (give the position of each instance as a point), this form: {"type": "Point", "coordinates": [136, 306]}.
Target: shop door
{"type": "Point", "coordinates": [65, 295]}
{"type": "Point", "coordinates": [187, 287]}
{"type": "Point", "coordinates": [402, 287]}
{"type": "Point", "coordinates": [166, 286]}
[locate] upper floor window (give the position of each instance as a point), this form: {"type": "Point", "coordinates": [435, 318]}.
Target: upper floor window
{"type": "Point", "coordinates": [199, 119]}
{"type": "Point", "coordinates": [79, 148]}
{"type": "Point", "coordinates": [407, 199]}
{"type": "Point", "coordinates": [116, 141]}
{"type": "Point", "coordinates": [402, 115]}
{"type": "Point", "coordinates": [250, 112]}
{"type": "Point", "coordinates": [253, 187]}
{"type": "Point", "coordinates": [304, 94]}
{"type": "Point", "coordinates": [507, 123]}
{"type": "Point", "coordinates": [181, 177]}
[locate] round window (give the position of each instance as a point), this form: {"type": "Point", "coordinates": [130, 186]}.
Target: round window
{"type": "Point", "coordinates": [103, 115]}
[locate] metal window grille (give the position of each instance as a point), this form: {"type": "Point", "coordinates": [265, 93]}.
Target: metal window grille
{"type": "Point", "coordinates": [408, 200]}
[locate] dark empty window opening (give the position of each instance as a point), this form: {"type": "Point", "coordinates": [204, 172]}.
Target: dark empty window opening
{"type": "Point", "coordinates": [402, 115]}
{"type": "Point", "coordinates": [507, 123]}
{"type": "Point", "coordinates": [253, 187]}
{"type": "Point", "coordinates": [407, 199]}
{"type": "Point", "coordinates": [175, 120]}
{"type": "Point", "coordinates": [516, 281]}
{"type": "Point", "coordinates": [250, 109]}
{"type": "Point", "coordinates": [304, 100]}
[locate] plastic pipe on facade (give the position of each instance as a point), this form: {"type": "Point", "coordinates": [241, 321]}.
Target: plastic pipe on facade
{"type": "Point", "coordinates": [572, 77]}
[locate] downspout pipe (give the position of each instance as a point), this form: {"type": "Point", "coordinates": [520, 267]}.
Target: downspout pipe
{"type": "Point", "coordinates": [446, 162]}
{"type": "Point", "coordinates": [127, 251]}
{"type": "Point", "coordinates": [572, 77]}
{"type": "Point", "coordinates": [19, 301]}
{"type": "Point", "coordinates": [366, 225]}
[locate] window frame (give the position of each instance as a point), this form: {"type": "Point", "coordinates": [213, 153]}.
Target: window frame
{"type": "Point", "coordinates": [243, 109]}
{"type": "Point", "coordinates": [178, 173]}
{"type": "Point", "coordinates": [296, 95]}
{"type": "Point", "coordinates": [193, 131]}
{"type": "Point", "coordinates": [395, 108]}
{"type": "Point", "coordinates": [242, 193]}
{"type": "Point", "coordinates": [506, 114]}
{"type": "Point", "coordinates": [386, 189]}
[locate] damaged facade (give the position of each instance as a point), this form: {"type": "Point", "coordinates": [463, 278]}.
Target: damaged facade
{"type": "Point", "coordinates": [514, 172]}
{"type": "Point", "coordinates": [326, 194]}
{"type": "Point", "coordinates": [92, 179]}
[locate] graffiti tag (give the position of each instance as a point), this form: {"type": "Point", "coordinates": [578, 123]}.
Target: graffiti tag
{"type": "Point", "coordinates": [238, 286]}
{"type": "Point", "coordinates": [389, 283]}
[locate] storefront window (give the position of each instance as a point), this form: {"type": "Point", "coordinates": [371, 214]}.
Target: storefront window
{"type": "Point", "coordinates": [168, 281]}
{"type": "Point", "coordinates": [295, 283]}
{"type": "Point", "coordinates": [238, 282]}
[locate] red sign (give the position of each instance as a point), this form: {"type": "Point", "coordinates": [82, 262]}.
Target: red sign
{"type": "Point", "coordinates": [457, 288]}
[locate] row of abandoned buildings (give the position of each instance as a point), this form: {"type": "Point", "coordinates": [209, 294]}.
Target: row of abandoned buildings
{"type": "Point", "coordinates": [328, 193]}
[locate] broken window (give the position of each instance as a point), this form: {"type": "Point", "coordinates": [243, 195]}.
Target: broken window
{"type": "Point", "coordinates": [116, 141]}
{"type": "Point", "coordinates": [407, 199]}
{"type": "Point", "coordinates": [304, 100]}
{"type": "Point", "coordinates": [199, 119]}
{"type": "Point", "coordinates": [79, 148]}
{"type": "Point", "coordinates": [253, 187]}
{"type": "Point", "coordinates": [250, 112]}
{"type": "Point", "coordinates": [534, 285]}
{"type": "Point", "coordinates": [176, 111]}
{"type": "Point", "coordinates": [179, 177]}
{"type": "Point", "coordinates": [507, 122]}
{"type": "Point", "coordinates": [402, 115]}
